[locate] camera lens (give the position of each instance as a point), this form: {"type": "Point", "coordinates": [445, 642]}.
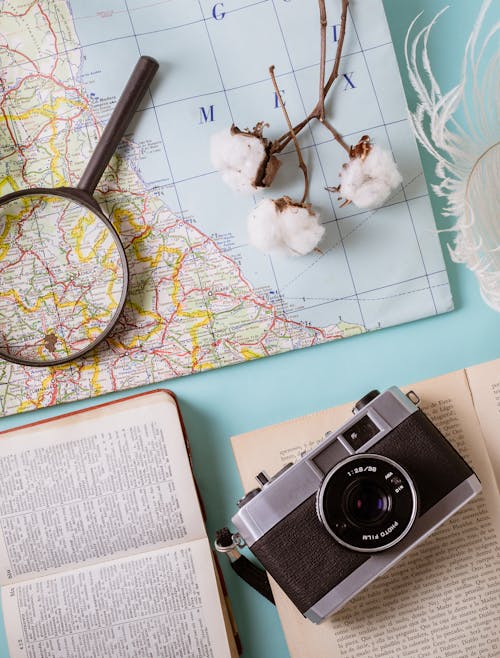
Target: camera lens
{"type": "Point", "coordinates": [367, 502]}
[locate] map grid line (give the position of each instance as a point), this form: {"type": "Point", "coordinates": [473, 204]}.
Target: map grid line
{"type": "Point", "coordinates": [402, 186]}
{"type": "Point", "coordinates": [286, 286]}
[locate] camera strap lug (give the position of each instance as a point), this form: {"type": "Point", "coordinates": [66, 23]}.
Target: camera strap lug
{"type": "Point", "coordinates": [413, 397]}
{"type": "Point", "coordinates": [229, 543]}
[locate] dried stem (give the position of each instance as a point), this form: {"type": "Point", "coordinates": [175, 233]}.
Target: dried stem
{"type": "Point", "coordinates": [336, 135]}
{"type": "Point", "coordinates": [340, 44]}
{"type": "Point", "coordinates": [319, 111]}
{"type": "Point", "coordinates": [322, 59]}
{"type": "Point", "coordinates": [302, 164]}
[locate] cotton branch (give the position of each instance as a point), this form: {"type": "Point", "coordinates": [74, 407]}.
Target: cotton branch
{"type": "Point", "coordinates": [324, 89]}
{"type": "Point", "coordinates": [319, 110]}
{"type": "Point", "coordinates": [322, 61]}
{"type": "Point", "coordinates": [302, 164]}
{"type": "Point", "coordinates": [340, 44]}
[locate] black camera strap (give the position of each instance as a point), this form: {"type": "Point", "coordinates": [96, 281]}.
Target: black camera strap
{"type": "Point", "coordinates": [256, 577]}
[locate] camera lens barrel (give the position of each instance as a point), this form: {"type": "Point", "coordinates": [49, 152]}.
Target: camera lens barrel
{"type": "Point", "coordinates": [367, 502]}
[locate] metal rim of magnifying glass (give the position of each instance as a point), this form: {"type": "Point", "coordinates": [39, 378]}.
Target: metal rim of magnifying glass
{"type": "Point", "coordinates": [83, 199]}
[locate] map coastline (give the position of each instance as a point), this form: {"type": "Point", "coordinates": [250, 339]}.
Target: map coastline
{"type": "Point", "coordinates": [199, 298]}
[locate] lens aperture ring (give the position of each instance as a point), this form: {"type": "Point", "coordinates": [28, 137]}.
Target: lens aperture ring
{"type": "Point", "coordinates": [367, 502]}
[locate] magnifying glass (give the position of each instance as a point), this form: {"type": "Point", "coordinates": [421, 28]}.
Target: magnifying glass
{"type": "Point", "coordinates": [63, 269]}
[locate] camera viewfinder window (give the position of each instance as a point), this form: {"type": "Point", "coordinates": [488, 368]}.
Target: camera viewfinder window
{"type": "Point", "coordinates": [361, 432]}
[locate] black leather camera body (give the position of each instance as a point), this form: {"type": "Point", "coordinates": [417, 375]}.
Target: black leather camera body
{"type": "Point", "coordinates": [328, 525]}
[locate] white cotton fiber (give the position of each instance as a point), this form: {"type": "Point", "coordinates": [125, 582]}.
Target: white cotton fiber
{"type": "Point", "coordinates": [278, 227]}
{"type": "Point", "coordinates": [368, 183]}
{"type": "Point", "coordinates": [238, 156]}
{"type": "Point", "coordinates": [300, 229]}
{"type": "Point", "coordinates": [264, 228]}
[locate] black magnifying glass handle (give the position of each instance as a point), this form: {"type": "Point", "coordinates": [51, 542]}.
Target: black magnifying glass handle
{"type": "Point", "coordinates": [125, 108]}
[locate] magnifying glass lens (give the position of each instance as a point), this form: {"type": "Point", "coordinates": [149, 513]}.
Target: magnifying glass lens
{"type": "Point", "coordinates": [61, 278]}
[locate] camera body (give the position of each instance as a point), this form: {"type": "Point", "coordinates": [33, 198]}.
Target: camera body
{"type": "Point", "coordinates": [345, 512]}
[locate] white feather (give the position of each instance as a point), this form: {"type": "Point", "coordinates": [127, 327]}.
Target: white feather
{"type": "Point", "coordinates": [467, 154]}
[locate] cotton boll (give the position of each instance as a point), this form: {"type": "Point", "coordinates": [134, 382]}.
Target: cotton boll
{"type": "Point", "coordinates": [239, 157]}
{"type": "Point", "coordinates": [301, 229]}
{"type": "Point", "coordinates": [264, 228]}
{"type": "Point", "coordinates": [368, 182]}
{"type": "Point", "coordinates": [370, 193]}
{"type": "Point", "coordinates": [284, 227]}
{"type": "Point", "coordinates": [380, 164]}
{"type": "Point", "coordinates": [352, 178]}
{"type": "Point", "coordinates": [237, 182]}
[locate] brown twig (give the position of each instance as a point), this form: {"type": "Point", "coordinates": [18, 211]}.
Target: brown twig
{"type": "Point", "coordinates": [340, 44]}
{"type": "Point", "coordinates": [336, 135]}
{"type": "Point", "coordinates": [319, 110]}
{"type": "Point", "coordinates": [302, 164]}
{"type": "Point", "coordinates": [322, 59]}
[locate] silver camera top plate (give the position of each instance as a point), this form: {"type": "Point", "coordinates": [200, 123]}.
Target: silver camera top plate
{"type": "Point", "coordinates": [282, 494]}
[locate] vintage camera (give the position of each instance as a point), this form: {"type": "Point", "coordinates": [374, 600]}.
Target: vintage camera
{"type": "Point", "coordinates": [328, 525]}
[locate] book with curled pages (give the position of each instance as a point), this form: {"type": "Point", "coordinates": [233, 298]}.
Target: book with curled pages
{"type": "Point", "coordinates": [103, 550]}
{"type": "Point", "coordinates": [443, 598]}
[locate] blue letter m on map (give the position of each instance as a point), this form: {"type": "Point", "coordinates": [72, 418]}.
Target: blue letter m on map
{"type": "Point", "coordinates": [206, 114]}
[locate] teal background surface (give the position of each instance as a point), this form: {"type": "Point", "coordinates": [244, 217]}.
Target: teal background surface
{"type": "Point", "coordinates": [239, 398]}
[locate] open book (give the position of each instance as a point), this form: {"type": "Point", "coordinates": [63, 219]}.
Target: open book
{"type": "Point", "coordinates": [103, 549]}
{"type": "Point", "coordinates": [443, 599]}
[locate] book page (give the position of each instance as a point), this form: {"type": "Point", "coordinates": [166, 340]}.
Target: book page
{"type": "Point", "coordinates": [484, 382]}
{"type": "Point", "coordinates": [165, 603]}
{"type": "Point", "coordinates": [101, 483]}
{"type": "Point", "coordinates": [443, 599]}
